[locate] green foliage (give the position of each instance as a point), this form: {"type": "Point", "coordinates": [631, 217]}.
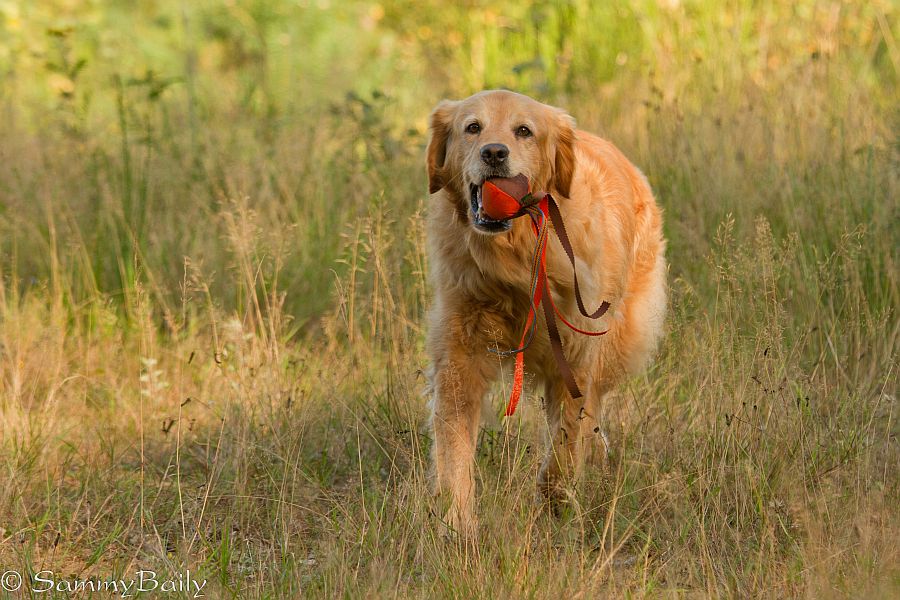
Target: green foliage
{"type": "Point", "coordinates": [212, 278]}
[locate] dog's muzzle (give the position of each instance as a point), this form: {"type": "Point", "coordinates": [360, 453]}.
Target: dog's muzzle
{"type": "Point", "coordinates": [498, 200]}
{"type": "Point", "coordinates": [480, 217]}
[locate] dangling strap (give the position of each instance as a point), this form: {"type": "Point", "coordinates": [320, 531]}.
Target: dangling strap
{"type": "Point", "coordinates": [560, 229]}
{"type": "Point", "coordinates": [539, 289]}
{"type": "Point", "coordinates": [538, 274]}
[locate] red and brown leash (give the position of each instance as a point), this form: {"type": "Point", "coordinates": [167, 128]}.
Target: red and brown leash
{"type": "Point", "coordinates": [510, 199]}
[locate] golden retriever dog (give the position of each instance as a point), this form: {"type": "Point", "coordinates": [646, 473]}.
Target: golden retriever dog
{"type": "Point", "coordinates": [481, 268]}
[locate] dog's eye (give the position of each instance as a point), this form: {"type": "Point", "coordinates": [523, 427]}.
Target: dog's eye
{"type": "Point", "coordinates": [523, 131]}
{"type": "Point", "coordinates": [473, 127]}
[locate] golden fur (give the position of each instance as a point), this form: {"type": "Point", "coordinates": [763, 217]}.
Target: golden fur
{"type": "Point", "coordinates": [481, 280]}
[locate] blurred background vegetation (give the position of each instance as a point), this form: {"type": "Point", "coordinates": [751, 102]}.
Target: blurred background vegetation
{"type": "Point", "coordinates": [212, 277]}
{"type": "Point", "coordinates": [127, 127]}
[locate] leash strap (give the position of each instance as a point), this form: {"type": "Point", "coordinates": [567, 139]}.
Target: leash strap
{"type": "Point", "coordinates": [540, 288]}
{"type": "Point", "coordinates": [560, 228]}
{"type": "Point", "coordinates": [565, 369]}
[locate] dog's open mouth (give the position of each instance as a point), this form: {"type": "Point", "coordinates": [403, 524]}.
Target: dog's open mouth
{"type": "Point", "coordinates": [480, 219]}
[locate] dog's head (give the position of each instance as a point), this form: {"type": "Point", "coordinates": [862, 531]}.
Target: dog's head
{"type": "Point", "coordinates": [498, 134]}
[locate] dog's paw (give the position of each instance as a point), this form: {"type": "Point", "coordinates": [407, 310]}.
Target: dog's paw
{"type": "Point", "coordinates": [555, 497]}
{"type": "Point", "coordinates": [457, 526]}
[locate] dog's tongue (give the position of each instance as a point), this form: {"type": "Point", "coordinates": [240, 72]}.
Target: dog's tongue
{"type": "Point", "coordinates": [500, 196]}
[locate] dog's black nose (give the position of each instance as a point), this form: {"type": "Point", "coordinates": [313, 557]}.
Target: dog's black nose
{"type": "Point", "coordinates": [493, 155]}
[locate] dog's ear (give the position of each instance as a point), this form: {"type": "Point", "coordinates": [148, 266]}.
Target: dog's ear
{"type": "Point", "coordinates": [440, 123]}
{"type": "Point", "coordinates": [564, 162]}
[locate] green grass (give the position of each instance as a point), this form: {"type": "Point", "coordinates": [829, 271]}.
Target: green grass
{"type": "Point", "coordinates": [212, 281]}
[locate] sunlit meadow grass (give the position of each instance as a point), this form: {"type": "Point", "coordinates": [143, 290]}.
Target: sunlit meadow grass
{"type": "Point", "coordinates": [212, 282]}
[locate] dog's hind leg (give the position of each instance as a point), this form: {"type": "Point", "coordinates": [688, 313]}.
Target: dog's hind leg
{"type": "Point", "coordinates": [594, 438]}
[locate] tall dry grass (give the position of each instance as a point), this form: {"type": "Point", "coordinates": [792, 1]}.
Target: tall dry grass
{"type": "Point", "coordinates": [213, 276]}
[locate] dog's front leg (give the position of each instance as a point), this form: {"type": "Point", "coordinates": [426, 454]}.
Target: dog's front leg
{"type": "Point", "coordinates": [568, 426]}
{"type": "Point", "coordinates": [461, 378]}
